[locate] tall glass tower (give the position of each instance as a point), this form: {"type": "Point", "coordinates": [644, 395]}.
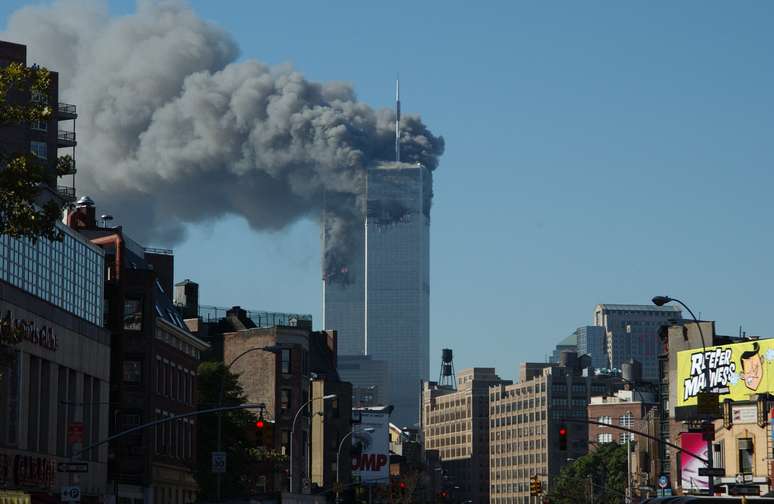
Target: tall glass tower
{"type": "Point", "coordinates": [385, 311]}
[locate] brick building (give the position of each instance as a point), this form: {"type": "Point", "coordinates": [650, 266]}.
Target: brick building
{"type": "Point", "coordinates": [456, 423]}
{"type": "Point", "coordinates": [153, 362]}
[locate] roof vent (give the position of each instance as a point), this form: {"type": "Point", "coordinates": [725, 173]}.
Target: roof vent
{"type": "Point", "coordinates": [84, 201]}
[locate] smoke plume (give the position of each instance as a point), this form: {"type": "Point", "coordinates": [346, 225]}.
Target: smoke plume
{"type": "Point", "coordinates": [172, 130]}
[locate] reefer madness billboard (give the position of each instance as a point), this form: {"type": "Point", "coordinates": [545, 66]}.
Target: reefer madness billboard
{"type": "Point", "coordinates": [735, 371]}
{"type": "Point", "coordinates": [371, 450]}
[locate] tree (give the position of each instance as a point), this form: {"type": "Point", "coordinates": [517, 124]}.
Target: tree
{"type": "Point", "coordinates": [23, 100]}
{"type": "Point", "coordinates": [604, 470]}
{"type": "Point", "coordinates": [246, 462]}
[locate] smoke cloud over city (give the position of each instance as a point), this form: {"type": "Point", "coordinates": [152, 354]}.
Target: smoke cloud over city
{"type": "Point", "coordinates": [173, 130]}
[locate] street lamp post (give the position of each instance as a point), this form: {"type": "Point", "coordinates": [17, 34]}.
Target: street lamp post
{"type": "Point", "coordinates": [338, 455]}
{"type": "Point", "coordinates": [272, 349]}
{"type": "Point", "coordinates": [661, 301]}
{"type": "Point", "coordinates": [292, 429]}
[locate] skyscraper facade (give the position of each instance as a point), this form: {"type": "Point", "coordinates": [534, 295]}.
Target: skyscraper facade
{"type": "Point", "coordinates": [383, 309]}
{"type": "Point", "coordinates": [631, 332]}
{"type": "Point", "coordinates": [591, 342]}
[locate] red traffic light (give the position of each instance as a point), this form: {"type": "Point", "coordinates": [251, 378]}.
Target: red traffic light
{"type": "Point", "coordinates": [259, 423]}
{"type": "Point", "coordinates": [562, 431]}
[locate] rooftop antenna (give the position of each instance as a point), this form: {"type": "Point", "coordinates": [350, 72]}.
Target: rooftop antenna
{"type": "Point", "coordinates": [397, 119]}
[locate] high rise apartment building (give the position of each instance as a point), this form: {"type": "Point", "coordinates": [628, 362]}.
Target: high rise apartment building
{"type": "Point", "coordinates": [380, 303]}
{"type": "Point", "coordinates": [631, 332]}
{"type": "Point", "coordinates": [455, 422]}
{"type": "Point", "coordinates": [524, 421]}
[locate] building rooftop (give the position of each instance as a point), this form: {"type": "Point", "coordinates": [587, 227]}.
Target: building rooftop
{"type": "Point", "coordinates": [633, 307]}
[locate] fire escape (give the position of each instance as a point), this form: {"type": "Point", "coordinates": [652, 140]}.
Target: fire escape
{"type": "Point", "coordinates": [65, 139]}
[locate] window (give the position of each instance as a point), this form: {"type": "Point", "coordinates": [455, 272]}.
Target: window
{"type": "Point", "coordinates": [604, 437]}
{"type": "Point", "coordinates": [38, 96]}
{"type": "Point", "coordinates": [39, 150]}
{"type": "Point", "coordinates": [624, 435]}
{"type": "Point", "coordinates": [626, 420]}
{"type": "Point", "coordinates": [39, 125]}
{"type": "Point", "coordinates": [132, 371]}
{"type": "Point", "coordinates": [284, 401]}
{"type": "Point", "coordinates": [745, 455]}
{"type": "Point", "coordinates": [285, 361]}
{"type": "Point", "coordinates": [133, 315]}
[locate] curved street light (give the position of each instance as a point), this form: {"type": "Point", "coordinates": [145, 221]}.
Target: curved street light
{"type": "Point", "coordinates": [338, 454]}
{"type": "Point", "coordinates": [293, 428]}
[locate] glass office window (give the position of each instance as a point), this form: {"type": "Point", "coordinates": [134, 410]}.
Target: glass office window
{"type": "Point", "coordinates": [67, 273]}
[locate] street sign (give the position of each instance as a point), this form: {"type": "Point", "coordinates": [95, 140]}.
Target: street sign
{"type": "Point", "coordinates": [714, 471]}
{"type": "Point", "coordinates": [71, 494]}
{"type": "Point", "coordinates": [75, 433]}
{"type": "Point", "coordinates": [72, 467]}
{"type": "Point", "coordinates": [707, 403]}
{"type": "Point", "coordinates": [663, 481]}
{"type": "Point", "coordinates": [218, 462]}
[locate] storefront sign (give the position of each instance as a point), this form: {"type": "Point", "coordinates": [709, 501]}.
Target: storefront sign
{"type": "Point", "coordinates": [747, 414]}
{"type": "Point", "coordinates": [734, 371]}
{"type": "Point", "coordinates": [27, 471]}
{"type": "Point", "coordinates": [14, 331]}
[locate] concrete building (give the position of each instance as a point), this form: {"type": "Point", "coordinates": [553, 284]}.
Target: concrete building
{"type": "Point", "coordinates": [369, 379]}
{"type": "Point", "coordinates": [524, 422]}
{"type": "Point", "coordinates": [42, 138]}
{"type": "Point", "coordinates": [54, 367]}
{"type": "Point", "coordinates": [631, 332]}
{"type": "Point", "coordinates": [455, 422]}
{"type": "Point", "coordinates": [153, 360]}
{"type": "Point", "coordinates": [591, 341]}
{"type": "Point", "coordinates": [380, 301]}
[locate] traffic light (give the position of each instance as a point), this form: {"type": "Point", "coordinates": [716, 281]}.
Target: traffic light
{"type": "Point", "coordinates": [264, 433]}
{"type": "Point", "coordinates": [563, 438]}
{"type": "Point", "coordinates": [535, 486]}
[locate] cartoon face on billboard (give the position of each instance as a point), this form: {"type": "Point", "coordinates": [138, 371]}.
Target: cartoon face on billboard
{"type": "Point", "coordinates": [752, 367]}
{"type": "Point", "coordinates": [733, 371]}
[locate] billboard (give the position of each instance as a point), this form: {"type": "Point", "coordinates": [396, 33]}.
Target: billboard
{"type": "Point", "coordinates": [692, 442]}
{"type": "Point", "coordinates": [371, 450]}
{"type": "Point", "coordinates": [736, 371]}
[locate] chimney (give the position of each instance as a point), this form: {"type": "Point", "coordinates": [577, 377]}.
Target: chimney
{"type": "Point", "coordinates": [84, 214]}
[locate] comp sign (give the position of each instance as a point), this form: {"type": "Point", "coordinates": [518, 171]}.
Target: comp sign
{"type": "Point", "coordinates": [371, 450]}
{"type": "Point", "coordinates": [735, 371]}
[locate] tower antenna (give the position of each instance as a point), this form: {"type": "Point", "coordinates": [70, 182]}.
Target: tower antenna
{"type": "Point", "coordinates": [397, 119]}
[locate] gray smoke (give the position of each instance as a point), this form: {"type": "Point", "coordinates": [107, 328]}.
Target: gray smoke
{"type": "Point", "coordinates": [172, 130]}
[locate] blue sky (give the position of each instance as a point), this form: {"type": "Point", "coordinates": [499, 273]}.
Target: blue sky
{"type": "Point", "coordinates": [595, 152]}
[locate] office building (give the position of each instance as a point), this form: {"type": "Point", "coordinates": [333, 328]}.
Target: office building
{"type": "Point", "coordinates": [631, 332]}
{"type": "Point", "coordinates": [43, 138]}
{"type": "Point", "coordinates": [591, 341]}
{"type": "Point", "coordinates": [54, 366]}
{"type": "Point", "coordinates": [369, 379]}
{"type": "Point", "coordinates": [525, 418]}
{"type": "Point", "coordinates": [568, 344]}
{"type": "Point", "coordinates": [455, 422]}
{"type": "Point", "coordinates": [153, 362]}
{"type": "Point", "coordinates": [379, 302]}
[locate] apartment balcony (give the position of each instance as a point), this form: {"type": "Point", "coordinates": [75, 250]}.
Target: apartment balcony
{"type": "Point", "coordinates": [66, 193]}
{"type": "Point", "coordinates": [66, 112]}
{"type": "Point", "coordinates": [65, 139]}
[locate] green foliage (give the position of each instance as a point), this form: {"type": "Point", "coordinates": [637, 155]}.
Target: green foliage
{"type": "Point", "coordinates": [603, 469]}
{"type": "Point", "coordinates": [243, 457]}
{"type": "Point", "coordinates": [21, 173]}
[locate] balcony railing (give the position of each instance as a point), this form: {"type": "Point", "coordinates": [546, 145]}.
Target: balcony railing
{"type": "Point", "coordinates": [65, 138]}
{"type": "Point", "coordinates": [66, 193]}
{"type": "Point", "coordinates": [66, 111]}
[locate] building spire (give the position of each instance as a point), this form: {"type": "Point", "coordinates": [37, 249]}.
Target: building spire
{"type": "Point", "coordinates": [397, 119]}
